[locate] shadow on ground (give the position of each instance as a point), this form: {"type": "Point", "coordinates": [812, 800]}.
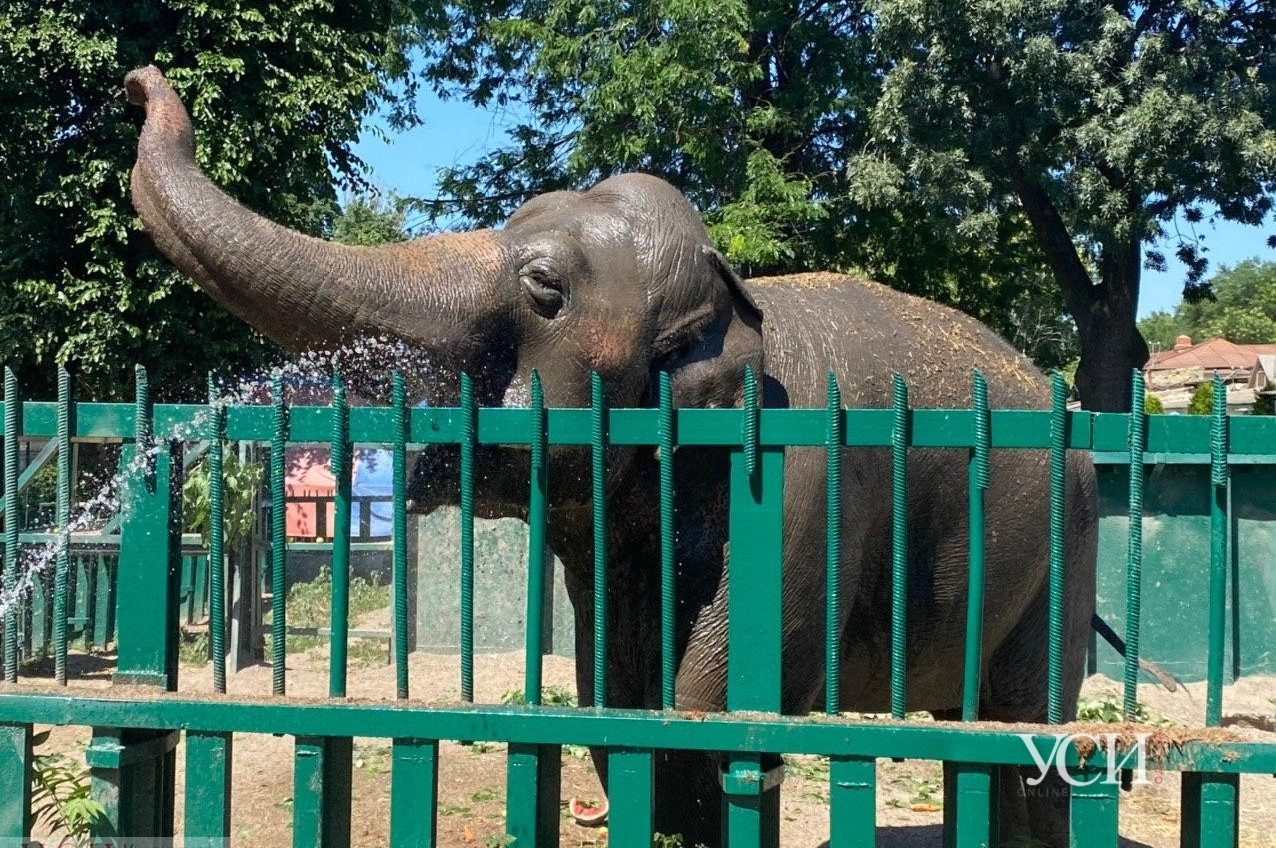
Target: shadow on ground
{"type": "Point", "coordinates": [932, 836]}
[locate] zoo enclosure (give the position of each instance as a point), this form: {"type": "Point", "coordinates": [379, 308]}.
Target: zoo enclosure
{"type": "Point", "coordinates": [134, 737]}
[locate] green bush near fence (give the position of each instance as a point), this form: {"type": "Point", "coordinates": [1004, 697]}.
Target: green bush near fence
{"type": "Point", "coordinates": [309, 604]}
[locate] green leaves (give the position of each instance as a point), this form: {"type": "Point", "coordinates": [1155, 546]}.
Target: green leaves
{"type": "Point", "coordinates": [242, 482]}
{"type": "Point", "coordinates": [61, 798]}
{"type": "Point", "coordinates": [278, 90]}
{"type": "Point", "coordinates": [1241, 308]}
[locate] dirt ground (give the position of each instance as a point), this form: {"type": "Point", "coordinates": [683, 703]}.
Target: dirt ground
{"type": "Point", "coordinates": [472, 777]}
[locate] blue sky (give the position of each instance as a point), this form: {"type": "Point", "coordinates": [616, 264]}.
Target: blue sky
{"type": "Point", "coordinates": [456, 133]}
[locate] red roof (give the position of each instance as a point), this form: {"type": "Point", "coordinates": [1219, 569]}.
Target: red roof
{"type": "Point", "coordinates": [1217, 354]}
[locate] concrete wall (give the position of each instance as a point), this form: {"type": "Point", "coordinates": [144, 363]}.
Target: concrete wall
{"type": "Point", "coordinates": [500, 587]}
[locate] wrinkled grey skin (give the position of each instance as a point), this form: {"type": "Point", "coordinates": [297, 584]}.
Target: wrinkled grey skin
{"type": "Point", "coordinates": [621, 279]}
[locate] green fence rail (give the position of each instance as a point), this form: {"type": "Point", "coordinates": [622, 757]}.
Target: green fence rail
{"type": "Point", "coordinates": [134, 745]}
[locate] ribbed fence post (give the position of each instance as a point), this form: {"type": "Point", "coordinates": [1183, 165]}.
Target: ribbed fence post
{"type": "Point", "coordinates": [12, 552]}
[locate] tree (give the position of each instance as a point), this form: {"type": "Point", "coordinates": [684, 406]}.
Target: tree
{"type": "Point", "coordinates": [1241, 308]}
{"type": "Point", "coordinates": [1202, 400]}
{"type": "Point", "coordinates": [370, 219]}
{"type": "Point", "coordinates": [1109, 125]}
{"type": "Point", "coordinates": [278, 90]}
{"type": "Point", "coordinates": [756, 110]}
{"type": "Point", "coordinates": [1152, 405]}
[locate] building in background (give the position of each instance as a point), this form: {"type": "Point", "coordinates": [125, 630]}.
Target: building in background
{"type": "Point", "coordinates": [1173, 375]}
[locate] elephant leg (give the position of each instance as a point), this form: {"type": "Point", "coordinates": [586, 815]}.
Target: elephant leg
{"type": "Point", "coordinates": [1016, 691]}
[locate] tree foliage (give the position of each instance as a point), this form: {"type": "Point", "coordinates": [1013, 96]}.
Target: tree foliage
{"type": "Point", "coordinates": [1242, 309]}
{"type": "Point", "coordinates": [277, 89]}
{"type": "Point", "coordinates": [1202, 400]}
{"type": "Point", "coordinates": [370, 219]}
{"type": "Point", "coordinates": [756, 109]}
{"type": "Point", "coordinates": [1109, 125]}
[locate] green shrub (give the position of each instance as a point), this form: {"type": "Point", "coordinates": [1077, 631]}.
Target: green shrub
{"type": "Point", "coordinates": [61, 800]}
{"type": "Point", "coordinates": [1152, 405]}
{"type": "Point", "coordinates": [1202, 402]}
{"type": "Point", "coordinates": [241, 481]}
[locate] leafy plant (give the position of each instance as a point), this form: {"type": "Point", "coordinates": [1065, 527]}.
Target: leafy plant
{"type": "Point", "coordinates": [1152, 405]}
{"type": "Point", "coordinates": [241, 482]}
{"type": "Point", "coordinates": [309, 604]}
{"type": "Point", "coordinates": [193, 649]}
{"type": "Point", "coordinates": [503, 840]}
{"type": "Point", "coordinates": [551, 696]}
{"type": "Point", "coordinates": [61, 799]}
{"type": "Point", "coordinates": [1202, 401]}
{"type": "Point", "coordinates": [1109, 708]}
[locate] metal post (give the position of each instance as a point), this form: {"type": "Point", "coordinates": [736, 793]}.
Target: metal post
{"type": "Point", "coordinates": [756, 528]}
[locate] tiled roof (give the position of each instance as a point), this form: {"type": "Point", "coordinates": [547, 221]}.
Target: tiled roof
{"type": "Point", "coordinates": [1217, 354]}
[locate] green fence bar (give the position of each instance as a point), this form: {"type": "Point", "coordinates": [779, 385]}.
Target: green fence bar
{"type": "Point", "coordinates": [340, 460]}
{"type": "Point", "coordinates": [977, 485]}
{"type": "Point", "coordinates": [749, 413]}
{"type": "Point", "coordinates": [105, 578]}
{"type": "Point", "coordinates": [1134, 559]}
{"type": "Point", "coordinates": [83, 591]}
{"type": "Point", "coordinates": [414, 793]}
{"type": "Point", "coordinates": [1218, 554]}
{"type": "Point", "coordinates": [143, 412]}
{"type": "Point", "coordinates": [975, 802]}
{"type": "Point", "coordinates": [147, 589]}
{"type": "Point", "coordinates": [208, 766]}
{"type": "Point", "coordinates": [598, 474]}
{"type": "Point", "coordinates": [899, 545]}
{"type": "Point", "coordinates": [66, 412]}
{"type": "Point", "coordinates": [668, 560]}
{"type": "Point", "coordinates": [216, 433]}
{"type": "Point", "coordinates": [16, 765]}
{"type": "Point", "coordinates": [321, 792]}
{"type": "Point", "coordinates": [756, 533]}
{"type": "Point", "coordinates": [852, 802]}
{"type": "Point", "coordinates": [630, 786]}
{"type": "Point", "coordinates": [469, 431]}
{"type": "Point", "coordinates": [533, 786]}
{"type": "Point", "coordinates": [1058, 481]}
{"type": "Point", "coordinates": [833, 550]}
{"type": "Point", "coordinates": [1093, 810]}
{"type": "Point", "coordinates": [278, 536]}
{"type": "Point", "coordinates": [1210, 810]}
{"type": "Point", "coordinates": [399, 564]}
{"type": "Point", "coordinates": [12, 556]}
{"type": "Point", "coordinates": [537, 515]}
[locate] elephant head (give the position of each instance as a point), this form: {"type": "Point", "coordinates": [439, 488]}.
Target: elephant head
{"type": "Point", "coordinates": [621, 280]}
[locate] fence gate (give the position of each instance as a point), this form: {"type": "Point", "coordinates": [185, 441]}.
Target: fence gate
{"type": "Point", "coordinates": [140, 723]}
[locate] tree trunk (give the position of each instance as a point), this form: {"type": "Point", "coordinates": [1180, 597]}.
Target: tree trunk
{"type": "Point", "coordinates": [1105, 314]}
{"type": "Point", "coordinates": [1111, 345]}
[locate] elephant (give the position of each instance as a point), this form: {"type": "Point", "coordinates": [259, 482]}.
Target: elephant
{"type": "Point", "coordinates": [623, 280]}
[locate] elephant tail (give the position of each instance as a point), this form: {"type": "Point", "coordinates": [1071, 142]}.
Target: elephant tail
{"type": "Point", "coordinates": [1169, 681]}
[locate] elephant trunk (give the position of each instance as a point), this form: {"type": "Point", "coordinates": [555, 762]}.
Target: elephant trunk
{"type": "Point", "coordinates": [300, 291]}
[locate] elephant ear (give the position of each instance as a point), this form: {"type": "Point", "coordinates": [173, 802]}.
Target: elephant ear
{"type": "Point", "coordinates": [709, 347]}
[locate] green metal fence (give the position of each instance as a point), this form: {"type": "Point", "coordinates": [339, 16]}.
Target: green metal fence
{"type": "Point", "coordinates": [135, 736]}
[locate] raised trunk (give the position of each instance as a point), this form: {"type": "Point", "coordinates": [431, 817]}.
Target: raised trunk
{"type": "Point", "coordinates": [302, 292]}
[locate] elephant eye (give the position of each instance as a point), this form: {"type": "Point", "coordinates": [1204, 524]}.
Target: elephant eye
{"type": "Point", "coordinates": [544, 289]}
